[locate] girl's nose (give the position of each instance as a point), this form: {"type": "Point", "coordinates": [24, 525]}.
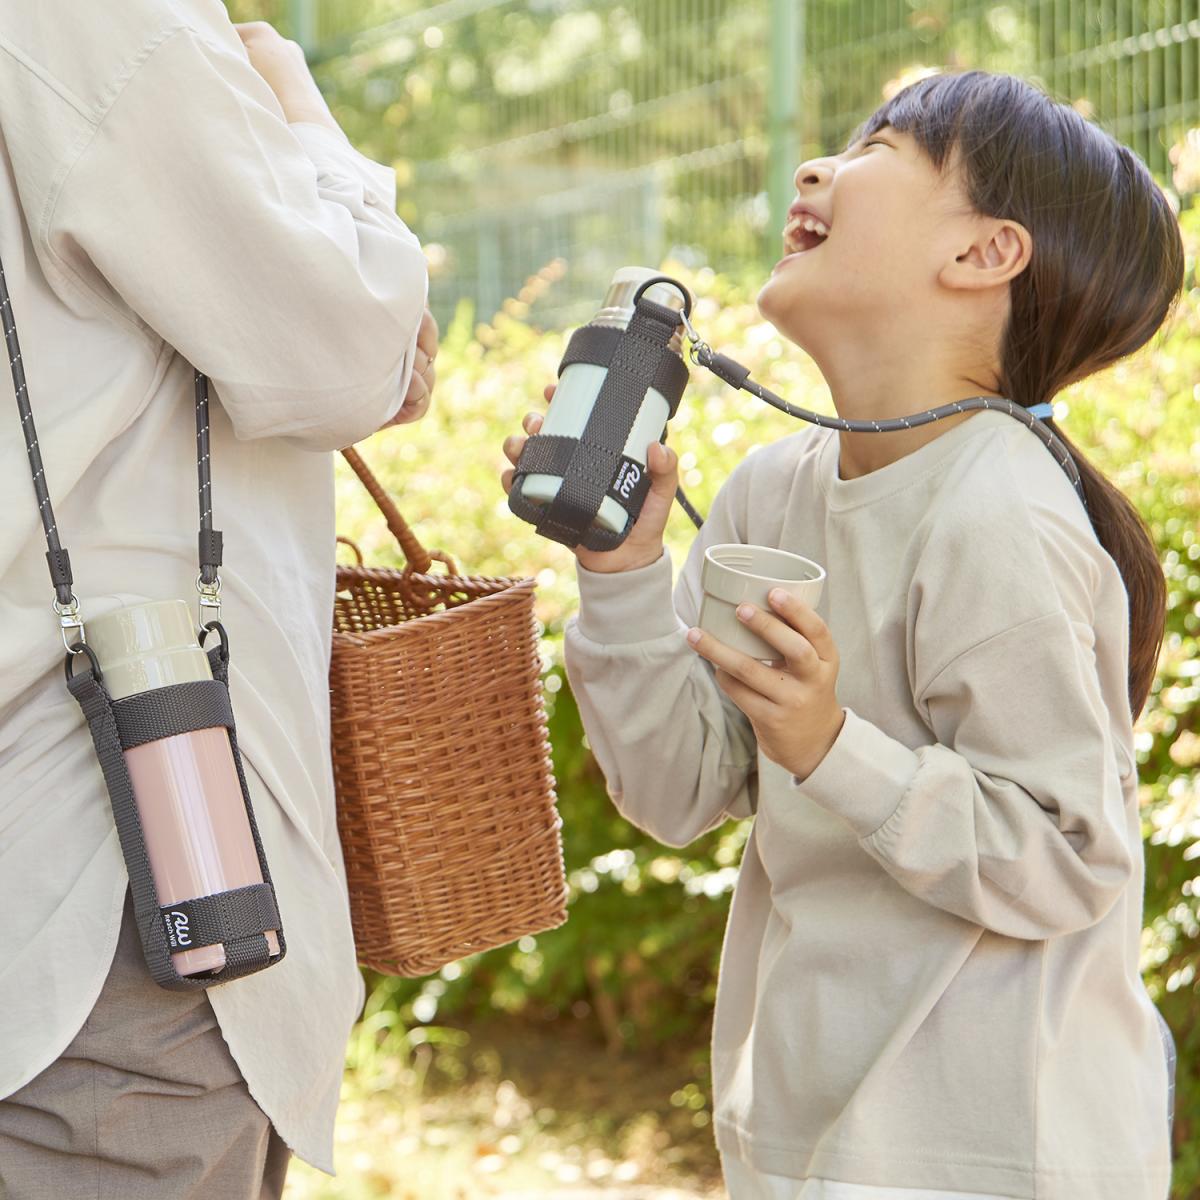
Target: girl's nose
{"type": "Point", "coordinates": [816, 170]}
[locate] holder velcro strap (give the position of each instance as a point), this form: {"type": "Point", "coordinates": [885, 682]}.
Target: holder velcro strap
{"type": "Point", "coordinates": [546, 454]}
{"type": "Point", "coordinates": [224, 917]}
{"type": "Point", "coordinates": [171, 710]}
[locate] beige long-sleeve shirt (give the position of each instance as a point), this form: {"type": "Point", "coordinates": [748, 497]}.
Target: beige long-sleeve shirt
{"type": "Point", "coordinates": [157, 212]}
{"type": "Point", "coordinates": [930, 975]}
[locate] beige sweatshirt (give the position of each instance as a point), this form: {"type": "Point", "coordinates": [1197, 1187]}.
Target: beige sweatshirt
{"type": "Point", "coordinates": [930, 975]}
{"type": "Point", "coordinates": [158, 212]}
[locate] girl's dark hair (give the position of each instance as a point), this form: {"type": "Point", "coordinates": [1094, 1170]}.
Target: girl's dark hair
{"type": "Point", "coordinates": [1107, 266]}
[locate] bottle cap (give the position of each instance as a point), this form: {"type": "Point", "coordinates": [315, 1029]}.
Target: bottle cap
{"type": "Point", "coordinates": [626, 282]}
{"type": "Point", "coordinates": [146, 646]}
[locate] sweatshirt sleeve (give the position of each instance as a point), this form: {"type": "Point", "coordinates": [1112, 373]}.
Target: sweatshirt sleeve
{"type": "Point", "coordinates": [1015, 818]}
{"type": "Point", "coordinates": [269, 255]}
{"type": "Point", "coordinates": [678, 755]}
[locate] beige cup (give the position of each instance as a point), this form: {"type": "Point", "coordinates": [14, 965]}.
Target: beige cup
{"type": "Point", "coordinates": [186, 787]}
{"type": "Point", "coordinates": [734, 573]}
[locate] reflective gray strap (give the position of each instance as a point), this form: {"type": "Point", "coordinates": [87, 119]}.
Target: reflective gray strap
{"type": "Point", "coordinates": [175, 709]}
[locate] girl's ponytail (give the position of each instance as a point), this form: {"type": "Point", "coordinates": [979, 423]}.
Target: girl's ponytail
{"type": "Point", "coordinates": [1122, 532]}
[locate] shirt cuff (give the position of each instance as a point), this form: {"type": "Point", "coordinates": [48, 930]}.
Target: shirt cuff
{"type": "Point", "coordinates": [332, 152]}
{"type": "Point", "coordinates": [627, 606]}
{"type": "Point", "coordinates": [864, 776]}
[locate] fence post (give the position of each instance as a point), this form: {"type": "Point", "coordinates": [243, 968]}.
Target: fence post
{"type": "Point", "coordinates": [783, 139]}
{"type": "Point", "coordinates": [303, 15]}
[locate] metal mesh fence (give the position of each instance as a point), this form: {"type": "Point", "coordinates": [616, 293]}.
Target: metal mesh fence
{"type": "Point", "coordinates": [593, 134]}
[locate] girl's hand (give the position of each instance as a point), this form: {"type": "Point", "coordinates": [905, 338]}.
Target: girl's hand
{"type": "Point", "coordinates": [644, 545]}
{"type": "Point", "coordinates": [792, 704]}
{"type": "Point", "coordinates": [283, 65]}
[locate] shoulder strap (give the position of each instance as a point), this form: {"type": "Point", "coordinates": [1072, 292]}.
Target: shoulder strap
{"type": "Point", "coordinates": [65, 604]}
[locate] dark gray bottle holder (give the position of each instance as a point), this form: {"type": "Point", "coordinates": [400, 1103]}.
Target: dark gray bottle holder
{"type": "Point", "coordinates": [593, 465]}
{"type": "Point", "coordinates": [238, 919]}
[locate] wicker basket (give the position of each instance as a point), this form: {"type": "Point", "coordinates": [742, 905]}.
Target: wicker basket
{"type": "Point", "coordinates": [441, 759]}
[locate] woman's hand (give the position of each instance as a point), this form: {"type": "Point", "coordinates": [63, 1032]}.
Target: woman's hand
{"type": "Point", "coordinates": [283, 65]}
{"type": "Point", "coordinates": [644, 545]}
{"type": "Point", "coordinates": [793, 704]}
{"type": "Point", "coordinates": [420, 386]}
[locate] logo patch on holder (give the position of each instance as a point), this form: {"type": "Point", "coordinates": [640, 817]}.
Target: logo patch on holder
{"type": "Point", "coordinates": [178, 921]}
{"type": "Point", "coordinates": [631, 484]}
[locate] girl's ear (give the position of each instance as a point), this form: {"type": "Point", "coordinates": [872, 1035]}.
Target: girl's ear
{"type": "Point", "coordinates": [1000, 250]}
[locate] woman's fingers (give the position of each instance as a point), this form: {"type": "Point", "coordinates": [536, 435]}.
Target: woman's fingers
{"type": "Point", "coordinates": [427, 335]}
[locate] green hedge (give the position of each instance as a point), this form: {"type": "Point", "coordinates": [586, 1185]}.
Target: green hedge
{"type": "Point", "coordinates": [638, 957]}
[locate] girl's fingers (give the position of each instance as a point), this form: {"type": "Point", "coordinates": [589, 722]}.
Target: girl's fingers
{"type": "Point", "coordinates": [506, 481]}
{"type": "Point", "coordinates": [759, 678]}
{"type": "Point", "coordinates": [513, 447]}
{"type": "Point", "coordinates": [754, 705]}
{"type": "Point", "coordinates": [549, 391]}
{"type": "Point", "coordinates": [794, 648]}
{"type": "Point", "coordinates": [532, 422]}
{"type": "Point", "coordinates": [803, 618]}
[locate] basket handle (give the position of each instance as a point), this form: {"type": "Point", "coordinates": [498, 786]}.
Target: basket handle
{"type": "Point", "coordinates": [416, 556]}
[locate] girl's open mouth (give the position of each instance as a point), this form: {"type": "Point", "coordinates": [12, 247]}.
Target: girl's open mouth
{"type": "Point", "coordinates": [803, 233]}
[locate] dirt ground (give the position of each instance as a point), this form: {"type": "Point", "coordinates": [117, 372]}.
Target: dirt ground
{"type": "Point", "coordinates": [524, 1111]}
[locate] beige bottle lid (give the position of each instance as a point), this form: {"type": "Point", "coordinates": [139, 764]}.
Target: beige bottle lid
{"type": "Point", "coordinates": [146, 646]}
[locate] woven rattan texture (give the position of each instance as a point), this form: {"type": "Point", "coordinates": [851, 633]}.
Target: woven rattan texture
{"type": "Point", "coordinates": [442, 766]}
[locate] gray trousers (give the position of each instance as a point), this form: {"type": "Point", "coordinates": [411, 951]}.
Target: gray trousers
{"type": "Point", "coordinates": [145, 1104]}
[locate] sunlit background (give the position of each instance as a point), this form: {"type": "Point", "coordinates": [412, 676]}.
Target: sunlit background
{"type": "Point", "coordinates": [538, 145]}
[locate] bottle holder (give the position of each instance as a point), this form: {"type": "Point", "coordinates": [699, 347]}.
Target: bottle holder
{"type": "Point", "coordinates": [238, 920]}
{"type": "Point", "coordinates": [594, 466]}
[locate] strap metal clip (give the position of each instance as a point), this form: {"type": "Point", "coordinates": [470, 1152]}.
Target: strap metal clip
{"type": "Point", "coordinates": [699, 351]}
{"type": "Point", "coordinates": [68, 619]}
{"type": "Point", "coordinates": [210, 600]}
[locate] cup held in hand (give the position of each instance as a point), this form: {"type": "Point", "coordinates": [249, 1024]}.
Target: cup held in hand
{"type": "Point", "coordinates": [734, 573]}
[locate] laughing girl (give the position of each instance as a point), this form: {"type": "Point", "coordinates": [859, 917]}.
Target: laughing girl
{"type": "Point", "coordinates": [929, 988]}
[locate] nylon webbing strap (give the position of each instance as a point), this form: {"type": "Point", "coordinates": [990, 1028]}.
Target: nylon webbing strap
{"type": "Point", "coordinates": [547, 454]}
{"type": "Point", "coordinates": [636, 360]}
{"type": "Point", "coordinates": [218, 659]}
{"type": "Point", "coordinates": [597, 344]}
{"type": "Point", "coordinates": [223, 918]}
{"type": "Point", "coordinates": [175, 709]}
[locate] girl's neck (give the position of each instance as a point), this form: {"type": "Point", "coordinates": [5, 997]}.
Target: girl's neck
{"type": "Point", "coordinates": [881, 387]}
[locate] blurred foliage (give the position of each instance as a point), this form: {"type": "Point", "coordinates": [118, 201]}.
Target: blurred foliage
{"type": "Point", "coordinates": [637, 961]}
{"type": "Point", "coordinates": [629, 130]}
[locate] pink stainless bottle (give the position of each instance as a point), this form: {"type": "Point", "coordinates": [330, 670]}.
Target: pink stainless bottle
{"type": "Point", "coordinates": [186, 787]}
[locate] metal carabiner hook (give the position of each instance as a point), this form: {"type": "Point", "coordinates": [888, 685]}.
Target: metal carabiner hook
{"type": "Point", "coordinates": [68, 619]}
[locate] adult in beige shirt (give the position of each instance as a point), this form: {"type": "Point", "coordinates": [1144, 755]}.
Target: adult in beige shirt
{"type": "Point", "coordinates": [165, 205]}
